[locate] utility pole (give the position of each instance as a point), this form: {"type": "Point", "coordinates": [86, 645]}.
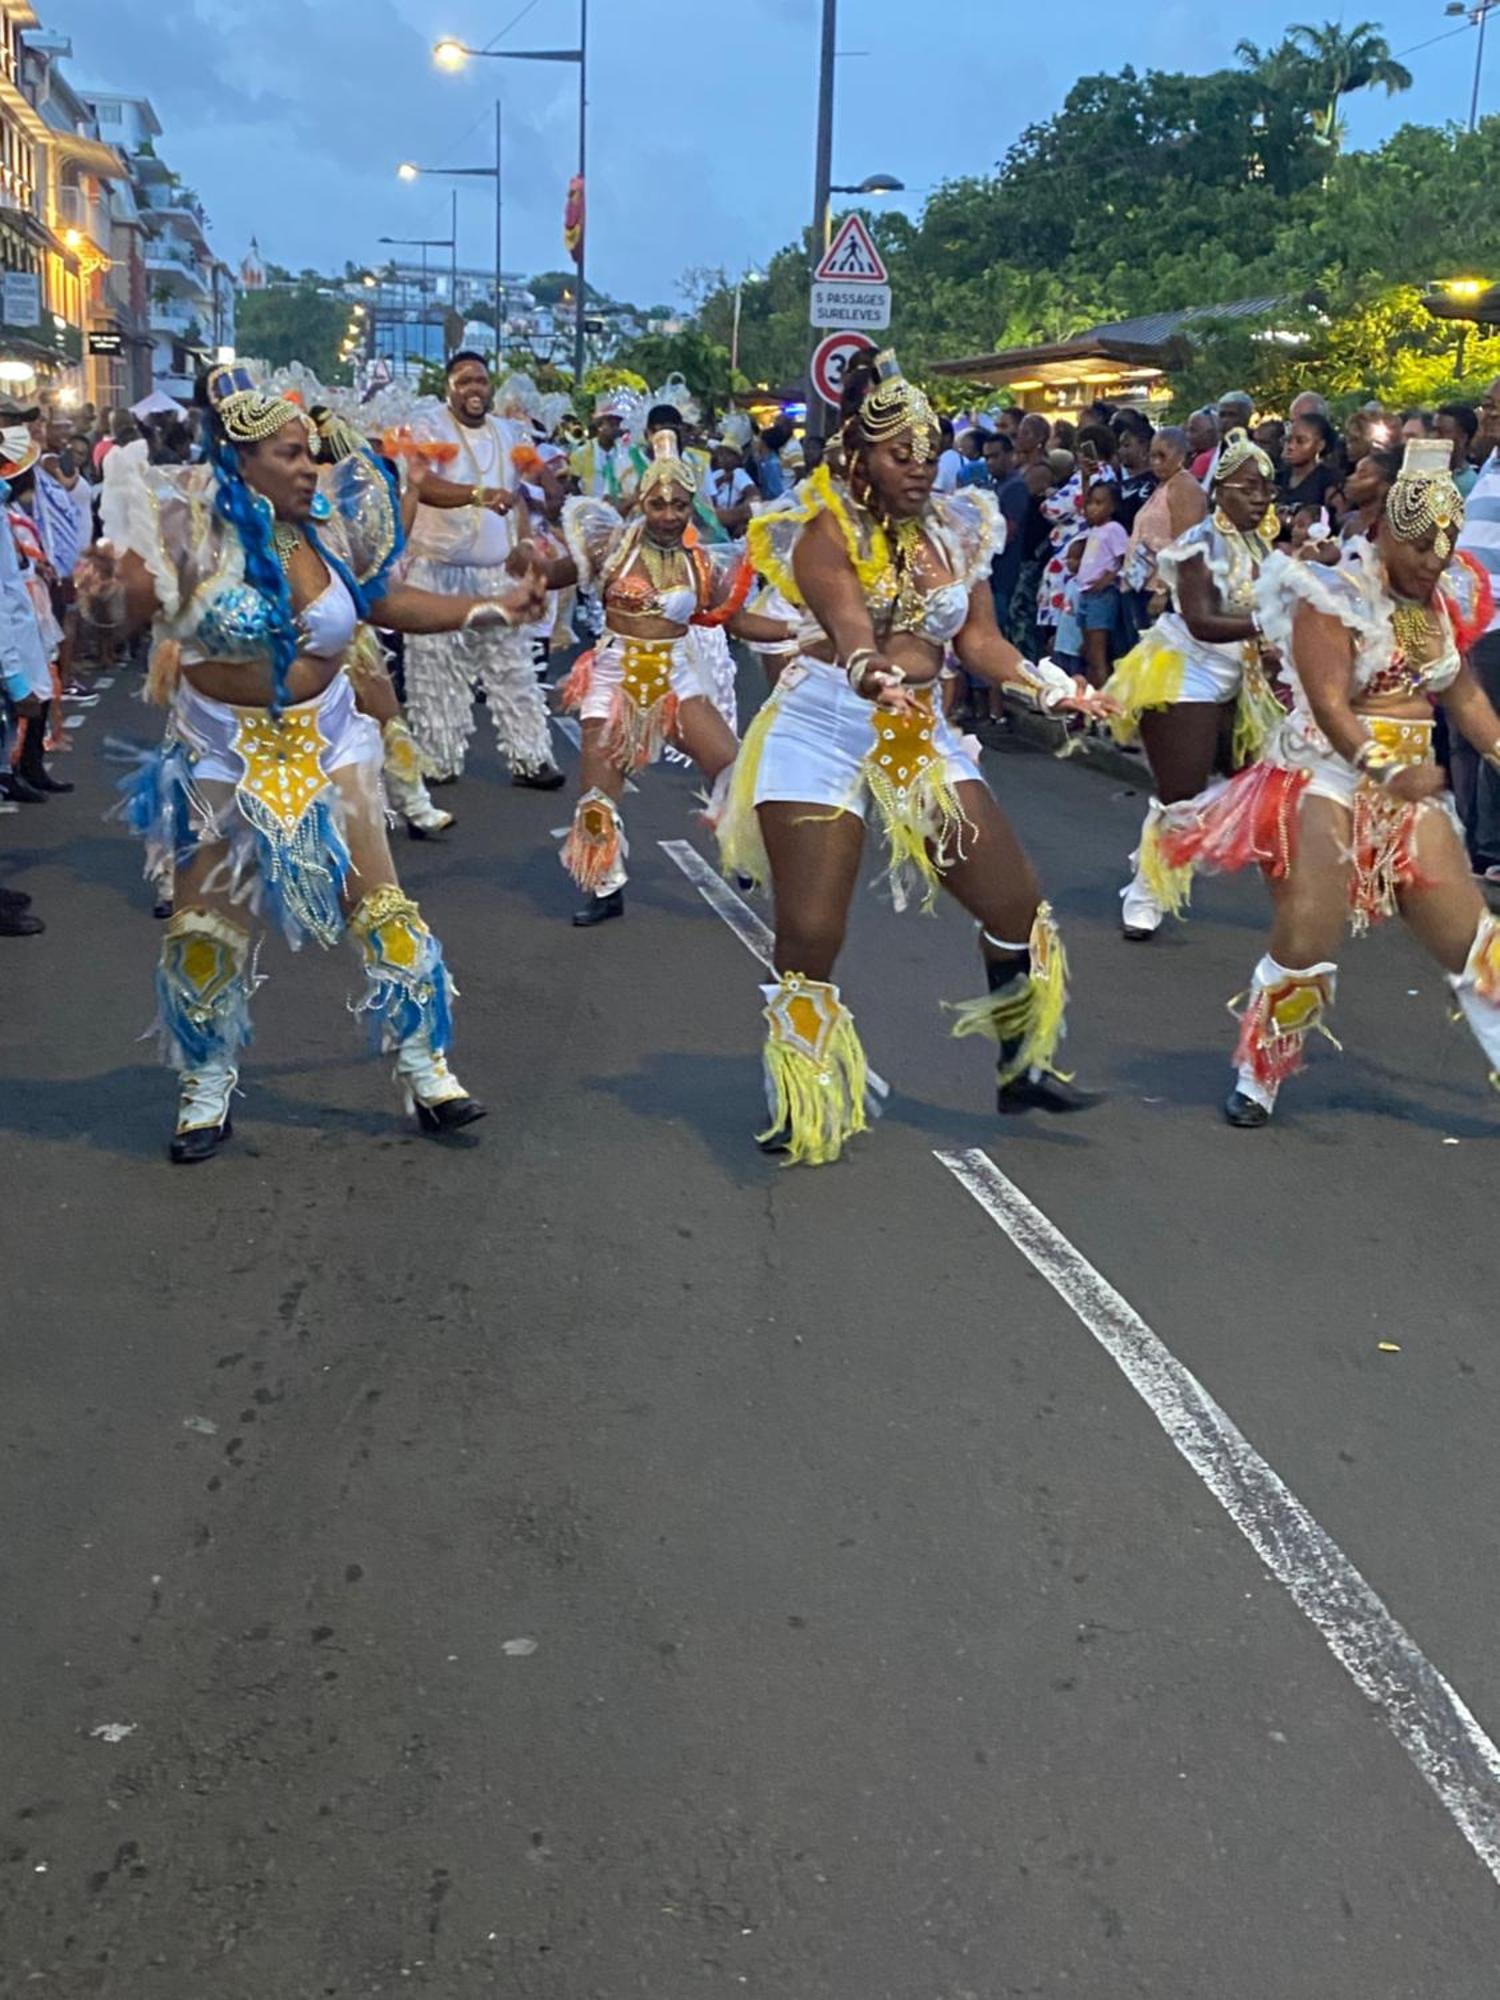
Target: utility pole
{"type": "Point", "coordinates": [822, 184]}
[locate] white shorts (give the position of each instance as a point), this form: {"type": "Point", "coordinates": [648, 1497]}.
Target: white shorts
{"type": "Point", "coordinates": [819, 735]}
{"type": "Point", "coordinates": [209, 729]}
{"type": "Point", "coordinates": [607, 675]}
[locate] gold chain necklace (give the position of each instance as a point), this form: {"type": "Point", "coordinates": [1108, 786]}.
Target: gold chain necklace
{"type": "Point", "coordinates": [285, 540]}
{"type": "Point", "coordinates": [661, 564]}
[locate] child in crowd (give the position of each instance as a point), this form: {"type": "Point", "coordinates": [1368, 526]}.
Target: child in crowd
{"type": "Point", "coordinates": [1096, 559]}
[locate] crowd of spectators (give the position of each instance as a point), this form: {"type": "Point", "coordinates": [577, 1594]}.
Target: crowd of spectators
{"type": "Point", "coordinates": [59, 470]}
{"type": "Point", "coordinates": [1089, 507]}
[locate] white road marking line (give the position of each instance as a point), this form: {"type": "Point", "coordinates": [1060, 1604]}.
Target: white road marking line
{"type": "Point", "coordinates": [1428, 1718]}
{"type": "Point", "coordinates": [754, 935]}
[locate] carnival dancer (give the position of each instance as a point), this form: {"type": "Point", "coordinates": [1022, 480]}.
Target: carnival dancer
{"type": "Point", "coordinates": [375, 695]}
{"type": "Point", "coordinates": [1194, 689]}
{"type": "Point", "coordinates": [266, 791]}
{"type": "Point", "coordinates": [887, 574]}
{"type": "Point", "coordinates": [463, 534]}
{"type": "Point", "coordinates": [1348, 815]}
{"type": "Point", "coordinates": [647, 683]}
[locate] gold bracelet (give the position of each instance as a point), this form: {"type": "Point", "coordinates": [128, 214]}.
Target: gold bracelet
{"type": "Point", "coordinates": [478, 496]}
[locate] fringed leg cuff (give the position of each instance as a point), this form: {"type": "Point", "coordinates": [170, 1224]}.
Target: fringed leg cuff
{"type": "Point", "coordinates": [816, 1076]}
{"type": "Point", "coordinates": [408, 993]}
{"type": "Point", "coordinates": [1283, 1006]}
{"type": "Point", "coordinates": [1477, 991]}
{"type": "Point", "coordinates": [1026, 1010]}
{"type": "Point", "coordinates": [203, 990]}
{"type": "Point", "coordinates": [595, 849]}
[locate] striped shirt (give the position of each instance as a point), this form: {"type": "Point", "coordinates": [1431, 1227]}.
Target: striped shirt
{"type": "Point", "coordinates": [1480, 536]}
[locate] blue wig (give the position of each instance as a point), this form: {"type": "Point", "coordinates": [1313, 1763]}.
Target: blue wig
{"type": "Point", "coordinates": [249, 516]}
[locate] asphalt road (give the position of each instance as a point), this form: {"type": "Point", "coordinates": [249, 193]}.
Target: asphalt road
{"type": "Point", "coordinates": [591, 1561]}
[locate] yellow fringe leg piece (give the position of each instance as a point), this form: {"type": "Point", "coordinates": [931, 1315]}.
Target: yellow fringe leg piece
{"type": "Point", "coordinates": [1172, 887]}
{"type": "Point", "coordinates": [1027, 1016]}
{"type": "Point", "coordinates": [816, 1074]}
{"type": "Point", "coordinates": [1256, 713]}
{"type": "Point", "coordinates": [742, 849]}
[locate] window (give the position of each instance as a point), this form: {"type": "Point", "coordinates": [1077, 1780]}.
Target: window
{"type": "Point", "coordinates": [111, 114]}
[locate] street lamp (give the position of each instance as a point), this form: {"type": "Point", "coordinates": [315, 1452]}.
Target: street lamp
{"type": "Point", "coordinates": [1478, 13]}
{"type": "Point", "coordinates": [888, 183]}
{"type": "Point", "coordinates": [452, 54]}
{"type": "Point", "coordinates": [408, 172]}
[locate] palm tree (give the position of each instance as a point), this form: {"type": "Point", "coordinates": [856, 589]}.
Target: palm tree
{"type": "Point", "coordinates": [1343, 60]}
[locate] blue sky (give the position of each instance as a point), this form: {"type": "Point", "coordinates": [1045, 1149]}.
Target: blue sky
{"type": "Point", "coordinates": [289, 116]}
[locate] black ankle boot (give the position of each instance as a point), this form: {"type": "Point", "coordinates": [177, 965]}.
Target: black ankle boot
{"type": "Point", "coordinates": [599, 909]}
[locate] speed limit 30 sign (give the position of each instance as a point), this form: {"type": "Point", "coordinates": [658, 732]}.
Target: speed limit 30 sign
{"type": "Point", "coordinates": [831, 358]}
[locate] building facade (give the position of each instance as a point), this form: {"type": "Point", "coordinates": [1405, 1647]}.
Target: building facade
{"type": "Point", "coordinates": [189, 290]}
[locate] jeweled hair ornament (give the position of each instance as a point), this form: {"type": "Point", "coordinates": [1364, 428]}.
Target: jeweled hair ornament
{"type": "Point", "coordinates": [1424, 496]}
{"type": "Point", "coordinates": [893, 405]}
{"type": "Point", "coordinates": [667, 467]}
{"type": "Point", "coordinates": [1241, 449]}
{"type": "Point", "coordinates": [248, 412]}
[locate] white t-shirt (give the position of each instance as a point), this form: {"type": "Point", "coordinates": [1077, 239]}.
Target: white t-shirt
{"type": "Point", "coordinates": [728, 489]}
{"type": "Point", "coordinates": [470, 537]}
{"type": "Point", "coordinates": [950, 465]}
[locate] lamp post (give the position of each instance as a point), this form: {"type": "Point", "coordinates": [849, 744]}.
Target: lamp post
{"type": "Point", "coordinates": [451, 54]}
{"type": "Point", "coordinates": [426, 243]}
{"type": "Point", "coordinates": [409, 171]}
{"type": "Point", "coordinates": [1478, 14]}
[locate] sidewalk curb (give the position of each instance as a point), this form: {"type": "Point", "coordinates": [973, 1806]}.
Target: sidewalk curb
{"type": "Point", "coordinates": [1024, 729]}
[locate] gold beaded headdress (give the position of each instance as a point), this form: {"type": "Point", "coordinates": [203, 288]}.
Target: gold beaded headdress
{"type": "Point", "coordinates": [1424, 496]}
{"type": "Point", "coordinates": [247, 411]}
{"type": "Point", "coordinates": [667, 467]}
{"type": "Point", "coordinates": [894, 405]}
{"type": "Point", "coordinates": [1241, 449]}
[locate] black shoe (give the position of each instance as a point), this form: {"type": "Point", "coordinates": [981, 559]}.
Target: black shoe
{"type": "Point", "coordinates": [1134, 936]}
{"type": "Point", "coordinates": [451, 1116]}
{"type": "Point", "coordinates": [779, 1141]}
{"type": "Point", "coordinates": [189, 1148]}
{"type": "Point", "coordinates": [20, 790]}
{"type": "Point", "coordinates": [548, 779]}
{"type": "Point", "coordinates": [18, 923]}
{"type": "Point", "coordinates": [45, 782]}
{"type": "Point", "coordinates": [1247, 1113]}
{"type": "Point", "coordinates": [599, 909]}
{"type": "Point", "coordinates": [1045, 1091]}
{"type": "Point", "coordinates": [161, 909]}
{"type": "Point", "coordinates": [14, 899]}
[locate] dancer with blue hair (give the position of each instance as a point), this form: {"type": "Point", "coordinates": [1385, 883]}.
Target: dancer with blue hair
{"type": "Point", "coordinates": [256, 571]}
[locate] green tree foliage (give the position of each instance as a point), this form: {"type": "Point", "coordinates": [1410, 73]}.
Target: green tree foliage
{"type": "Point", "coordinates": [700, 360]}
{"type": "Point", "coordinates": [1153, 191]}
{"type": "Point", "coordinates": [299, 322]}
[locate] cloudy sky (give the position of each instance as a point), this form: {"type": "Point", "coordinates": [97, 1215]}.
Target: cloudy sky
{"type": "Point", "coordinates": [289, 116]}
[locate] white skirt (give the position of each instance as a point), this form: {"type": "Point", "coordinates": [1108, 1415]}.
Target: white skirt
{"type": "Point", "coordinates": [821, 732]}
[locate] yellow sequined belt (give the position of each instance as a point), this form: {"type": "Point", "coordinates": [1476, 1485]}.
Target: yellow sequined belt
{"type": "Point", "coordinates": [1406, 742]}
{"type": "Point", "coordinates": [282, 755]}
{"type": "Point", "coordinates": [903, 750]}
{"type": "Point", "coordinates": [647, 668]}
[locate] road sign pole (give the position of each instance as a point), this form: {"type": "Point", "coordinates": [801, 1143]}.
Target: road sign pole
{"type": "Point", "coordinates": [822, 181]}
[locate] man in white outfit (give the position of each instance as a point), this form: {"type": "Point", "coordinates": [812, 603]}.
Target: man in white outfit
{"type": "Point", "coordinates": [463, 533]}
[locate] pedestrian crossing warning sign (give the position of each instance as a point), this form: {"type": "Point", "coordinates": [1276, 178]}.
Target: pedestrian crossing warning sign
{"type": "Point", "coordinates": [851, 258]}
